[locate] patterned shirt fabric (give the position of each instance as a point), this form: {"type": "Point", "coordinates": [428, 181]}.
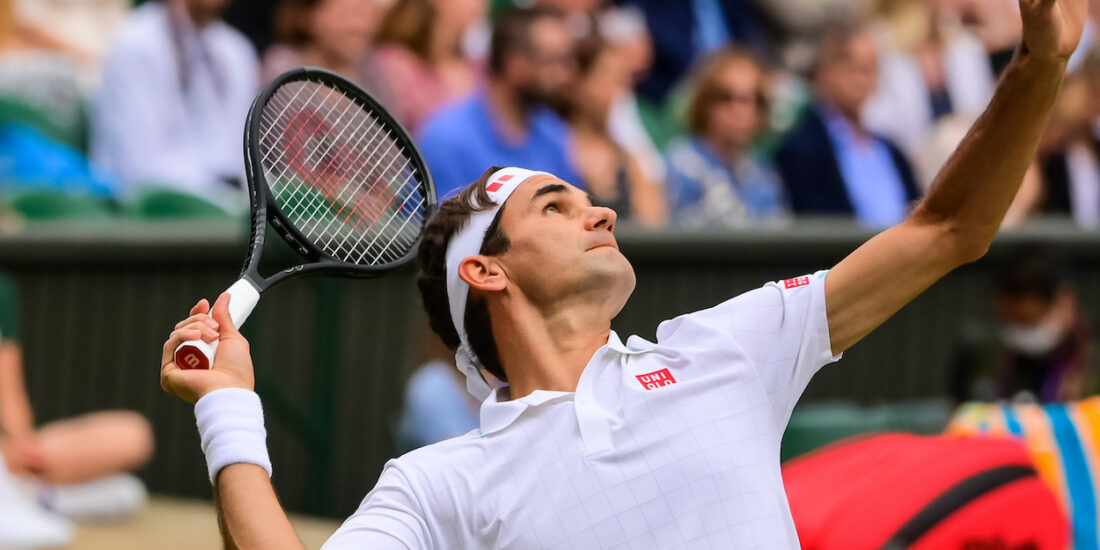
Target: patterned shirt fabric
{"type": "Point", "coordinates": [673, 444]}
{"type": "Point", "coordinates": [704, 191]}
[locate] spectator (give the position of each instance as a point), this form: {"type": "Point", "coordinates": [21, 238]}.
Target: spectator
{"type": "Point", "coordinates": [931, 70]}
{"type": "Point", "coordinates": [685, 31]}
{"type": "Point", "coordinates": [42, 114]}
{"type": "Point", "coordinates": [1043, 347]}
{"type": "Point", "coordinates": [715, 176]}
{"type": "Point", "coordinates": [420, 55]}
{"type": "Point", "coordinates": [74, 467]}
{"type": "Point", "coordinates": [610, 173]}
{"type": "Point", "coordinates": [332, 34]}
{"type": "Point", "coordinates": [176, 89]}
{"type": "Point", "coordinates": [830, 163]}
{"type": "Point", "coordinates": [1071, 165]}
{"type": "Point", "coordinates": [508, 122]}
{"type": "Point", "coordinates": [624, 28]}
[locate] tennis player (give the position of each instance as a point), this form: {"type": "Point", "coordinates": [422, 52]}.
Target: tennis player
{"type": "Point", "coordinates": [597, 443]}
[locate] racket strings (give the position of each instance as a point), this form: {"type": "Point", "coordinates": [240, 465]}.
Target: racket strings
{"type": "Point", "coordinates": [314, 200]}
{"type": "Point", "coordinates": [339, 175]}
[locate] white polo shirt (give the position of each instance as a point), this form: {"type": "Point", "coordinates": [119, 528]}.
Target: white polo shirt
{"type": "Point", "coordinates": [673, 444]}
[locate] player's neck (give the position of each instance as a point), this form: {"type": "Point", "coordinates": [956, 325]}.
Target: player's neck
{"type": "Point", "coordinates": [546, 350]}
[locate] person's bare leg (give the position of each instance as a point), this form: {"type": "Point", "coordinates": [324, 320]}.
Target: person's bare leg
{"type": "Point", "coordinates": [94, 445]}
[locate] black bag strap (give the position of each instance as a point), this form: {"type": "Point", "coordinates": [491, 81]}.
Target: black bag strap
{"type": "Point", "coordinates": [954, 498]}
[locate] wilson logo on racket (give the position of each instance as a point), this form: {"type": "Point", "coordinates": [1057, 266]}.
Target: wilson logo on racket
{"type": "Point", "coordinates": [658, 379]}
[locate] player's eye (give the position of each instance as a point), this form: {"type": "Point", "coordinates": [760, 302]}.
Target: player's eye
{"type": "Point", "coordinates": [551, 208]}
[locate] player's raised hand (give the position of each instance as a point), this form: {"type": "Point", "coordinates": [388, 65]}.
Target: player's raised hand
{"type": "Point", "coordinates": [1052, 28]}
{"type": "Point", "coordinates": [232, 364]}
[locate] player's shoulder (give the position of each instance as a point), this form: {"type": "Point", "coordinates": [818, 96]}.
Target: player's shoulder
{"type": "Point", "coordinates": [436, 459]}
{"type": "Point", "coordinates": [760, 307]}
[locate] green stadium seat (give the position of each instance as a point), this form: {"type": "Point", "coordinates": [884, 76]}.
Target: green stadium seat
{"type": "Point", "coordinates": [815, 425]}
{"type": "Point", "coordinates": [45, 204]}
{"type": "Point", "coordinates": [161, 203]}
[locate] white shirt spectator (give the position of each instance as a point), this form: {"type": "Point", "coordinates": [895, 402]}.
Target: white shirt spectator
{"type": "Point", "coordinates": [900, 107]}
{"type": "Point", "coordinates": [173, 103]}
{"type": "Point", "coordinates": [673, 444]}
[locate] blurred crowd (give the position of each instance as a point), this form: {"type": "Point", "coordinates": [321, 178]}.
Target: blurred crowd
{"type": "Point", "coordinates": [698, 113]}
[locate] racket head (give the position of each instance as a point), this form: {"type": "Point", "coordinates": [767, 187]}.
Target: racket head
{"type": "Point", "coordinates": [336, 175]}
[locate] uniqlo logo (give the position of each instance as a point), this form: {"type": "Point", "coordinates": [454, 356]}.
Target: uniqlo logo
{"type": "Point", "coordinates": [656, 380]}
{"type": "Point", "coordinates": [496, 185]}
{"type": "Point", "coordinates": [796, 282]}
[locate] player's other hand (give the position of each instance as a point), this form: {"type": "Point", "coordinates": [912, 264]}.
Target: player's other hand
{"type": "Point", "coordinates": [1052, 28]}
{"type": "Point", "coordinates": [232, 363]}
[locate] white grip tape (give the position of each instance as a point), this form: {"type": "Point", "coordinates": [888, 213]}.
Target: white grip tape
{"type": "Point", "coordinates": [231, 428]}
{"type": "Point", "coordinates": [242, 300]}
{"type": "Point", "coordinates": [243, 297]}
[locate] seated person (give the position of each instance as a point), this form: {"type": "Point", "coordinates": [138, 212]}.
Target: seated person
{"type": "Point", "coordinates": [1042, 348]}
{"type": "Point", "coordinates": [610, 173]}
{"type": "Point", "coordinates": [333, 34]}
{"type": "Point", "coordinates": [508, 121]}
{"type": "Point", "coordinates": [715, 178]}
{"type": "Point", "coordinates": [830, 163]}
{"type": "Point", "coordinates": [76, 467]}
{"type": "Point", "coordinates": [420, 54]}
{"type": "Point", "coordinates": [176, 89]}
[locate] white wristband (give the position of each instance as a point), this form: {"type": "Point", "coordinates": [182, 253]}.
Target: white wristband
{"type": "Point", "coordinates": [231, 428]}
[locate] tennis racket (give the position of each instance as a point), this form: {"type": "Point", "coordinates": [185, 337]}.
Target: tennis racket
{"type": "Point", "coordinates": [337, 178]}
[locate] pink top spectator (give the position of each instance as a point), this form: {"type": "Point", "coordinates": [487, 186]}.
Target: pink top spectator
{"type": "Point", "coordinates": [418, 87]}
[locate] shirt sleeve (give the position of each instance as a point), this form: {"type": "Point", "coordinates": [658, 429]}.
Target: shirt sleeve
{"type": "Point", "coordinates": [389, 518]}
{"type": "Point", "coordinates": [781, 327]}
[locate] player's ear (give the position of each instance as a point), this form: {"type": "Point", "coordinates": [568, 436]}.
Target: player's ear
{"type": "Point", "coordinates": [482, 273]}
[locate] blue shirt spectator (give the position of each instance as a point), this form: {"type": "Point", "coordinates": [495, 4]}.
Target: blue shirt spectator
{"type": "Point", "coordinates": [830, 163]}
{"type": "Point", "coordinates": [437, 406]}
{"type": "Point", "coordinates": [705, 191]}
{"type": "Point", "coordinates": [461, 141]}
{"type": "Point", "coordinates": [874, 185]}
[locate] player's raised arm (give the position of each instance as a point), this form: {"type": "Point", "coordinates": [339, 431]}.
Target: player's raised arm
{"type": "Point", "coordinates": [958, 220]}
{"type": "Point", "coordinates": [231, 425]}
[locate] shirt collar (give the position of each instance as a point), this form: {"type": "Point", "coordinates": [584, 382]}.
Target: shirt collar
{"type": "Point", "coordinates": [497, 415]}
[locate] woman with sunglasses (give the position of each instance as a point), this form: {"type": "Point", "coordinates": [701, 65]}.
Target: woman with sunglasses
{"type": "Point", "coordinates": [715, 178]}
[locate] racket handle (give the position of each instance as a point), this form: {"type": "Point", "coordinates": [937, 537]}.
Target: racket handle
{"type": "Point", "coordinates": [198, 354]}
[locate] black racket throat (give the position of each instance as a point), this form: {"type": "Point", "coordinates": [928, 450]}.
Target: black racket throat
{"type": "Point", "coordinates": [335, 176]}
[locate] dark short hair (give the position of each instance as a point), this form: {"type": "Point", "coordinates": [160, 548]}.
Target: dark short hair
{"type": "Point", "coordinates": [833, 44]}
{"type": "Point", "coordinates": [512, 33]}
{"type": "Point", "coordinates": [431, 279]}
{"type": "Point", "coordinates": [1031, 271]}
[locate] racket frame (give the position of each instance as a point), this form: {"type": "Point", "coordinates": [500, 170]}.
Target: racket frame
{"type": "Point", "coordinates": [245, 293]}
{"type": "Point", "coordinates": [266, 211]}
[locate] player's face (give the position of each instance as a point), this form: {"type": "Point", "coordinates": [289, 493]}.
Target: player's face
{"type": "Point", "coordinates": [563, 248]}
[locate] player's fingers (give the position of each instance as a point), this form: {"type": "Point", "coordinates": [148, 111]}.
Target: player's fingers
{"type": "Point", "coordinates": [202, 307]}
{"type": "Point", "coordinates": [225, 323]}
{"type": "Point", "coordinates": [172, 381]}
{"type": "Point", "coordinates": [198, 317]}
{"type": "Point", "coordinates": [178, 337]}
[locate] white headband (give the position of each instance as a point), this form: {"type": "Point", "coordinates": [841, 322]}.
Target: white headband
{"type": "Point", "coordinates": [465, 243]}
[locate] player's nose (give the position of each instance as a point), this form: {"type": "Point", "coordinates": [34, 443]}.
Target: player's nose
{"type": "Point", "coordinates": [599, 217]}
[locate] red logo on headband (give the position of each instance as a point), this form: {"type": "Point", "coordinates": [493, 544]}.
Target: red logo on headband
{"type": "Point", "coordinates": [496, 185]}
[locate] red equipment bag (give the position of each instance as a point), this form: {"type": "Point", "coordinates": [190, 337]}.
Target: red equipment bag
{"type": "Point", "coordinates": [896, 491]}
